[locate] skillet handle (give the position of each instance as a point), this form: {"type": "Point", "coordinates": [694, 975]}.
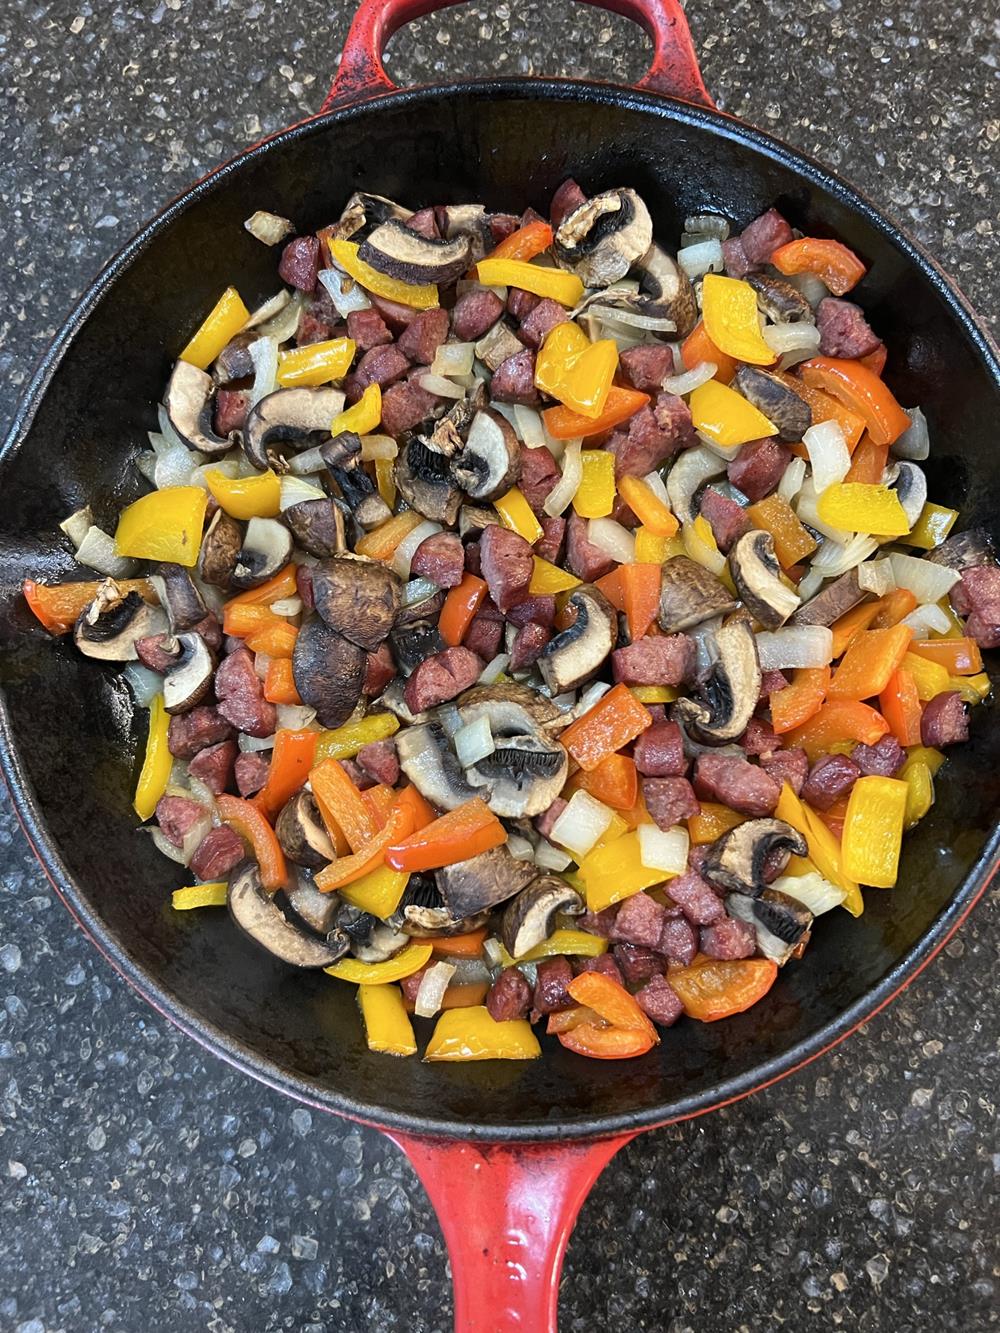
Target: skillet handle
{"type": "Point", "coordinates": [506, 1211]}
{"type": "Point", "coordinates": [361, 75]}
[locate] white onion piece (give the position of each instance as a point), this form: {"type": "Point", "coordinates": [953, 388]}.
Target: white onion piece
{"type": "Point", "coordinates": [726, 451]}
{"type": "Point", "coordinates": [493, 950]}
{"type": "Point", "coordinates": [227, 466]}
{"type": "Point", "coordinates": [590, 697]}
{"type": "Point", "coordinates": [579, 826]}
{"type": "Point", "coordinates": [915, 441]}
{"type": "Point", "coordinates": [144, 684]}
{"type": "Point", "coordinates": [657, 485]}
{"type": "Point", "coordinates": [792, 478]}
{"type": "Point", "coordinates": [701, 258]}
{"type": "Point", "coordinates": [439, 385]}
{"type": "Point", "coordinates": [811, 287]}
{"type": "Point", "coordinates": [810, 583]}
{"type": "Point", "coordinates": [474, 742]}
{"type": "Point", "coordinates": [551, 858]}
{"type": "Point", "coordinates": [296, 490]}
{"type": "Point", "coordinates": [264, 353]}
{"type": "Point", "coordinates": [707, 224]}
{"type": "Point", "coordinates": [565, 701]}
{"type": "Point", "coordinates": [928, 619]}
{"type": "Point", "coordinates": [792, 359]}
{"type": "Point", "coordinates": [146, 463]}
{"type": "Point", "coordinates": [418, 590]}
{"type": "Point", "coordinates": [346, 294]}
{"type": "Point", "coordinates": [77, 525]}
{"type": "Point", "coordinates": [283, 325]}
{"type": "Point", "coordinates": [254, 744]}
{"type": "Point", "coordinates": [706, 651]}
{"type": "Point", "coordinates": [795, 646]}
{"type": "Point", "coordinates": [432, 987]}
{"type": "Point", "coordinates": [632, 319]}
{"type": "Point", "coordinates": [295, 717]}
{"type": "Point", "coordinates": [836, 558]}
{"type": "Point", "coordinates": [307, 463]}
{"type": "Point", "coordinates": [613, 539]}
{"type": "Point", "coordinates": [806, 508]}
{"type": "Point", "coordinates": [494, 669]}
{"type": "Point", "coordinates": [783, 338]}
{"type": "Point", "coordinates": [271, 307]}
{"type": "Point", "coordinates": [470, 285]}
{"type": "Point", "coordinates": [170, 440]}
{"type": "Point", "coordinates": [378, 446]}
{"type": "Point", "coordinates": [193, 837]}
{"type": "Point", "coordinates": [163, 845]}
{"type": "Point", "coordinates": [564, 490]}
{"type": "Point", "coordinates": [520, 848]}
{"type": "Point", "coordinates": [175, 467]}
{"type": "Point", "coordinates": [690, 380]}
{"type": "Point", "coordinates": [812, 890]}
{"type": "Point", "coordinates": [287, 606]}
{"type": "Point", "coordinates": [407, 548]}
{"type": "Point", "coordinates": [927, 581]}
{"type": "Point", "coordinates": [528, 424]}
{"type": "Point", "coordinates": [261, 661]}
{"type": "Point", "coordinates": [268, 228]}
{"type": "Point", "coordinates": [506, 410]}
{"type": "Point", "coordinates": [97, 551]}
{"type": "Point", "coordinates": [828, 454]}
{"type": "Point", "coordinates": [454, 359]}
{"type": "Point", "coordinates": [664, 849]}
{"type": "Point", "coordinates": [450, 718]}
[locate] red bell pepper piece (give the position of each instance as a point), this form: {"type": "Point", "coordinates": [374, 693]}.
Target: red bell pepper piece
{"type": "Point", "coordinates": [857, 388]}
{"type": "Point", "coordinates": [614, 781]}
{"type": "Point", "coordinates": [869, 662]}
{"type": "Point", "coordinates": [58, 606]}
{"type": "Point", "coordinates": [799, 700]}
{"type": "Point", "coordinates": [698, 347]}
{"type": "Point", "coordinates": [617, 718]}
{"type": "Point", "coordinates": [839, 268]}
{"type": "Point", "coordinates": [282, 585]}
{"type": "Point", "coordinates": [347, 869]}
{"type": "Point", "coordinates": [460, 606]}
{"type": "Point", "coordinates": [838, 720]}
{"type": "Point", "coordinates": [564, 424]}
{"type": "Point", "coordinates": [611, 586]}
{"type": "Point", "coordinates": [641, 594]}
{"type": "Point", "coordinates": [249, 823]}
{"type": "Point", "coordinates": [470, 829]}
{"type": "Point", "coordinates": [534, 238]}
{"type": "Point", "coordinates": [868, 461]}
{"type": "Point", "coordinates": [291, 760]}
{"type": "Point", "coordinates": [711, 989]}
{"type": "Point", "coordinates": [279, 683]}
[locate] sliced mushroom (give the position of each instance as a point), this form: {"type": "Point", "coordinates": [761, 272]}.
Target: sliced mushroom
{"type": "Point", "coordinates": [780, 301]}
{"type": "Point", "coordinates": [364, 212]}
{"type": "Point", "coordinates": [870, 579]}
{"type": "Point", "coordinates": [267, 547]}
{"type": "Point", "coordinates": [317, 526]}
{"type": "Point", "coordinates": [490, 463]}
{"type": "Point", "coordinates": [183, 603]}
{"type": "Point", "coordinates": [255, 911]}
{"type": "Point", "coordinates": [235, 361]}
{"type": "Point", "coordinates": [448, 435]}
{"type": "Point", "coordinates": [780, 921]}
{"type": "Point", "coordinates": [483, 881]}
{"type": "Point", "coordinates": [302, 833]}
{"type": "Point", "coordinates": [791, 415]}
{"type": "Point", "coordinates": [189, 679]}
{"type": "Point", "coordinates": [529, 918]}
{"type": "Point", "coordinates": [328, 671]}
{"type": "Point", "coordinates": [220, 550]}
{"type": "Point", "coordinates": [425, 923]}
{"type": "Point", "coordinates": [317, 909]}
{"type": "Point", "coordinates": [188, 401]}
{"type": "Point", "coordinates": [668, 289]}
{"type": "Point", "coordinates": [392, 699]}
{"type": "Point", "coordinates": [469, 220]}
{"type": "Point", "coordinates": [736, 862]}
{"type": "Point", "coordinates": [910, 484]}
{"type": "Point", "coordinates": [401, 253]}
{"type": "Point", "coordinates": [728, 696]}
{"type": "Point", "coordinates": [506, 705]}
{"type": "Point", "coordinates": [413, 643]}
{"type": "Point", "coordinates": [289, 416]}
{"type": "Point", "coordinates": [527, 769]}
{"type": "Point", "coordinates": [423, 478]}
{"type": "Point", "coordinates": [576, 654]}
{"type": "Point", "coordinates": [371, 940]}
{"type": "Point", "coordinates": [689, 473]}
{"type": "Point", "coordinates": [689, 594]}
{"type": "Point", "coordinates": [357, 597]}
{"type": "Point", "coordinates": [605, 236]}
{"type": "Point", "coordinates": [496, 346]}
{"type": "Point", "coordinates": [757, 576]}
{"type": "Point", "coordinates": [965, 550]}
{"type": "Point", "coordinates": [472, 521]}
{"type": "Point", "coordinates": [111, 625]}
{"type": "Point", "coordinates": [428, 760]}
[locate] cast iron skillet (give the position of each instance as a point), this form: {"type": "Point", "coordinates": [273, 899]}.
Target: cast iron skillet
{"type": "Point", "coordinates": [69, 740]}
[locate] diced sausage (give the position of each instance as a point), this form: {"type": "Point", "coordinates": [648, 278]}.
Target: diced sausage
{"type": "Point", "coordinates": [528, 644]}
{"type": "Point", "coordinates": [405, 406]}
{"type": "Point", "coordinates": [603, 963]}
{"type": "Point", "coordinates": [831, 776]}
{"type": "Point", "coordinates": [843, 329]}
{"type": "Point", "coordinates": [764, 235]}
{"type": "Point", "coordinates": [735, 782]}
{"type": "Point", "coordinates": [696, 898]}
{"type": "Point", "coordinates": [660, 1002]}
{"type": "Point", "coordinates": [520, 302]}
{"type": "Point", "coordinates": [550, 543]}
{"type": "Point", "coordinates": [678, 940]}
{"type": "Point", "coordinates": [318, 320]}
{"type": "Point", "coordinates": [396, 315]}
{"type": "Point", "coordinates": [241, 695]}
{"type": "Point", "coordinates": [791, 766]}
{"type": "Point", "coordinates": [380, 365]}
{"type": "Point", "coordinates": [474, 314]}
{"type": "Point", "coordinates": [252, 768]}
{"type": "Point", "coordinates": [771, 682]}
{"type": "Point", "coordinates": [379, 760]}
{"type": "Point", "coordinates": [219, 850]}
{"type": "Point", "coordinates": [176, 815]}
{"type": "Point", "coordinates": [440, 558]}
{"type": "Point", "coordinates": [424, 335]}
{"type": "Point", "coordinates": [514, 380]}
{"type": "Point", "coordinates": [728, 939]}
{"type": "Point", "coordinates": [379, 671]}
{"type": "Point", "coordinates": [299, 264]}
{"type": "Point", "coordinates": [537, 610]}
{"type": "Point", "coordinates": [884, 759]}
{"type": "Point", "coordinates": [647, 366]}
{"type": "Point", "coordinates": [654, 434]}
{"type": "Point", "coordinates": [662, 659]}
{"type": "Point", "coordinates": [551, 985]}
{"type": "Point", "coordinates": [726, 518]}
{"type": "Point", "coordinates": [368, 329]}
{"type": "Point", "coordinates": [758, 467]}
{"type": "Point", "coordinates": [539, 322]}
{"type": "Point", "coordinates": [231, 409]}
{"type": "Point", "coordinates": [659, 751]}
{"type": "Point", "coordinates": [507, 564]}
{"type": "Point", "coordinates": [944, 721]}
{"type": "Point", "coordinates": [473, 559]}
{"type": "Point", "coordinates": [639, 921]}
{"type": "Point", "coordinates": [483, 636]}
{"type": "Point", "coordinates": [566, 200]}
{"type": "Point", "coordinates": [759, 737]}
{"type": "Point", "coordinates": [669, 800]}
{"type": "Point", "coordinates": [424, 223]}
{"type": "Point", "coordinates": [586, 561]}
{"type": "Point", "coordinates": [545, 821]}
{"type": "Point", "coordinates": [152, 654]}
{"type": "Point", "coordinates": [977, 595]}
{"type": "Point", "coordinates": [441, 677]}
{"type": "Point", "coordinates": [597, 923]}
{"type": "Point", "coordinates": [638, 963]}
{"type": "Point", "coordinates": [190, 732]}
{"type": "Point", "coordinates": [214, 766]}
{"type": "Point", "coordinates": [211, 631]}
{"type": "Point", "coordinates": [539, 474]}
{"type": "Point", "coordinates": [509, 997]}
{"type": "Point", "coordinates": [502, 225]}
{"type": "Point", "coordinates": [356, 773]}
{"type": "Point", "coordinates": [735, 258]}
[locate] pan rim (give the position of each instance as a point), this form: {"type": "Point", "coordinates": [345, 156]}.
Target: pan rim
{"type": "Point", "coordinates": [243, 1056]}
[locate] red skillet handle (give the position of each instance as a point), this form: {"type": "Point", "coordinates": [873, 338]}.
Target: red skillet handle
{"type": "Point", "coordinates": [506, 1212]}
{"type": "Point", "coordinates": [361, 75]}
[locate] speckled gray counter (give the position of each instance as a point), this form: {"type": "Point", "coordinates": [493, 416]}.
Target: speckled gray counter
{"type": "Point", "coordinates": [146, 1185]}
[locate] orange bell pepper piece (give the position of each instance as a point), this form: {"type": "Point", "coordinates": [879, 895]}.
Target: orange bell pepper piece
{"type": "Point", "coordinates": [698, 347]}
{"type": "Point", "coordinates": [533, 239]}
{"type": "Point", "coordinates": [871, 659]}
{"type": "Point", "coordinates": [875, 361]}
{"type": "Point", "coordinates": [792, 541]}
{"type": "Point", "coordinates": [641, 594]}
{"type": "Point", "coordinates": [459, 607]}
{"type": "Point", "coordinates": [611, 586]}
{"type": "Point", "coordinates": [246, 820]}
{"type": "Point", "coordinates": [960, 657]}
{"type": "Point", "coordinates": [618, 1029]}
{"type": "Point", "coordinates": [240, 619]}
{"type": "Point", "coordinates": [614, 781]}
{"type": "Point", "coordinates": [340, 803]}
{"type": "Point", "coordinates": [279, 683]}
{"type": "Point", "coordinates": [291, 760]}
{"type": "Point", "coordinates": [617, 718]}
{"type": "Point", "coordinates": [893, 607]}
{"type": "Point", "coordinates": [831, 261]}
{"type": "Point", "coordinates": [712, 822]}
{"type": "Point", "coordinates": [620, 404]}
{"type": "Point", "coordinates": [455, 836]}
{"type": "Point", "coordinates": [277, 640]}
{"type": "Point", "coordinates": [58, 606]}
{"type": "Point", "coordinates": [825, 408]}
{"type": "Point", "coordinates": [851, 623]}
{"type": "Point", "coordinates": [648, 508]}
{"type": "Point", "coordinates": [605, 1043]}
{"type": "Point", "coordinates": [464, 996]}
{"type": "Point", "coordinates": [800, 700]}
{"type": "Point", "coordinates": [420, 810]}
{"type": "Point", "coordinates": [381, 542]}
{"type": "Point", "coordinates": [900, 705]}
{"type": "Point", "coordinates": [838, 720]}
{"type": "Point", "coordinates": [469, 945]}
{"type": "Point", "coordinates": [611, 1001]}
{"type": "Point", "coordinates": [710, 988]}
{"type": "Point", "coordinates": [857, 388]}
{"type": "Point", "coordinates": [282, 585]}
{"type": "Point", "coordinates": [868, 462]}
{"type": "Point", "coordinates": [379, 801]}
{"type": "Point", "coordinates": [347, 869]}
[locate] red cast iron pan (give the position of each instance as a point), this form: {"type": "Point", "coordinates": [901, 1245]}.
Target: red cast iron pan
{"type": "Point", "coordinates": [507, 1151]}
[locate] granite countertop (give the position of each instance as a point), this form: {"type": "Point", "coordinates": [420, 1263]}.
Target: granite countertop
{"type": "Point", "coordinates": [147, 1184]}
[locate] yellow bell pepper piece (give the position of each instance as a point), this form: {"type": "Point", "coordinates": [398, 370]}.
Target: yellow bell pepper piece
{"type": "Point", "coordinates": [824, 850]}
{"type": "Point", "coordinates": [595, 496]}
{"type": "Point", "coordinates": [385, 479]}
{"type": "Point", "coordinates": [919, 792]}
{"type": "Point", "coordinates": [246, 497]}
{"type": "Point", "coordinates": [873, 830]}
{"type": "Point", "coordinates": [932, 527]}
{"type": "Point", "coordinates": [973, 689]}
{"type": "Point", "coordinates": [566, 288]}
{"type": "Point", "coordinates": [345, 741]}
{"type": "Point", "coordinates": [516, 514]}
{"type": "Point", "coordinates": [923, 754]}
{"type": "Point", "coordinates": [363, 417]}
{"type": "Point", "coordinates": [471, 1034]}
{"type": "Point", "coordinates": [156, 765]}
{"type": "Point", "coordinates": [164, 525]}
{"type": "Point", "coordinates": [563, 345]}
{"type": "Point", "coordinates": [378, 892]}
{"type": "Point", "coordinates": [223, 322]}
{"type": "Point", "coordinates": [316, 363]}
{"type": "Point", "coordinates": [421, 296]}
{"type": "Point", "coordinates": [387, 1024]}
{"type": "Point", "coordinates": [410, 958]}
{"type": "Point", "coordinates": [653, 550]}
{"type": "Point", "coordinates": [700, 545]}
{"type": "Point", "coordinates": [578, 943]}
{"type": "Point", "coordinates": [857, 506]}
{"type": "Point", "coordinates": [931, 678]}
{"type": "Point", "coordinates": [655, 694]}
{"type": "Point", "coordinates": [200, 895]}
{"type": "Point", "coordinates": [576, 371]}
{"type": "Point", "coordinates": [614, 871]}
{"type": "Point", "coordinates": [729, 309]}
{"type": "Point", "coordinates": [547, 578]}
{"type": "Point", "coordinates": [726, 417]}
{"type": "Point", "coordinates": [649, 509]}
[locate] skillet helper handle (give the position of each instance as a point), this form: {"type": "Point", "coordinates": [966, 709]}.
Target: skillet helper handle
{"type": "Point", "coordinates": [361, 75]}
{"type": "Point", "coordinates": [506, 1211]}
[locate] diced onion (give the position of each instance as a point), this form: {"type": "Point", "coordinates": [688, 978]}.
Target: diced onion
{"type": "Point", "coordinates": [701, 258]}
{"type": "Point", "coordinates": [450, 718]}
{"type": "Point", "coordinates": [928, 619]}
{"type": "Point", "coordinates": [283, 325]}
{"type": "Point", "coordinates": [520, 848]}
{"type": "Point", "coordinates": [551, 858]}
{"type": "Point", "coordinates": [812, 890]}
{"type": "Point", "coordinates": [253, 744]}
{"type": "Point", "coordinates": [470, 285]}
{"type": "Point", "coordinates": [726, 451]}
{"type": "Point", "coordinates": [915, 441]}
{"type": "Point", "coordinates": [193, 837]}
{"type": "Point", "coordinates": [564, 490]}
{"type": "Point", "coordinates": [432, 987]}
{"type": "Point", "coordinates": [836, 558]}
{"type": "Point", "coordinates": [707, 224]}
{"type": "Point", "coordinates": [792, 478]}
{"type": "Point", "coordinates": [407, 548]}
{"type": "Point", "coordinates": [346, 294]}
{"type": "Point", "coordinates": [810, 583]}
{"type": "Point", "coordinates": [828, 454]}
{"type": "Point", "coordinates": [287, 606]}
{"type": "Point", "coordinates": [582, 823]}
{"type": "Point", "coordinates": [454, 359]}
{"type": "Point", "coordinates": [97, 551]}
{"type": "Point", "coordinates": [295, 717]}
{"type": "Point", "coordinates": [657, 485]}
{"type": "Point", "coordinates": [264, 353]}
{"type": "Point", "coordinates": [493, 950]}
{"type": "Point", "coordinates": [175, 466]}
{"type": "Point", "coordinates": [307, 463]}
{"type": "Point", "coordinates": [378, 446]}
{"type": "Point", "coordinates": [268, 228]}
{"type": "Point", "coordinates": [664, 849]}
{"type": "Point", "coordinates": [418, 590]}
{"type": "Point", "coordinates": [144, 684]}
{"type": "Point", "coordinates": [706, 651]}
{"type": "Point", "coordinates": [710, 557]}
{"type": "Point", "coordinates": [439, 385]}
{"type": "Point", "coordinates": [169, 437]}
{"type": "Point", "coordinates": [146, 463]}
{"type": "Point", "coordinates": [77, 525]}
{"type": "Point", "coordinates": [474, 742]}
{"type": "Point", "coordinates": [632, 319]}
{"type": "Point", "coordinates": [261, 661]}
{"type": "Point", "coordinates": [795, 646]}
{"type": "Point", "coordinates": [927, 581]}
{"type": "Point", "coordinates": [613, 539]}
{"type": "Point", "coordinates": [163, 845]}
{"type": "Point", "coordinates": [271, 307]}
{"type": "Point", "coordinates": [296, 490]}
{"type": "Point", "coordinates": [811, 287]}
{"type": "Point", "coordinates": [784, 338]}
{"type": "Point", "coordinates": [494, 669]}
{"type": "Point", "coordinates": [690, 380]}
{"type": "Point", "coordinates": [528, 424]}
{"type": "Point", "coordinates": [590, 697]}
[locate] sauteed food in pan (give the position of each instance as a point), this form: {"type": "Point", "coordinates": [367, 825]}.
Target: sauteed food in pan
{"type": "Point", "coordinates": [566, 607]}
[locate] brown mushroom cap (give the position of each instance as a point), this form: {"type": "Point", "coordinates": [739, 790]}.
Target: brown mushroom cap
{"type": "Point", "coordinates": [690, 594]}
{"type": "Point", "coordinates": [576, 654]}
{"type": "Point", "coordinates": [756, 573]}
{"type": "Point", "coordinates": [401, 253]}
{"type": "Point", "coordinates": [220, 550]}
{"type": "Point", "coordinates": [490, 463]}
{"type": "Point", "coordinates": [483, 881]}
{"type": "Point", "coordinates": [736, 861]}
{"type": "Point", "coordinates": [730, 693]}
{"type": "Point", "coordinates": [302, 833]}
{"type": "Point", "coordinates": [423, 478]}
{"type": "Point", "coordinates": [791, 415]}
{"type": "Point", "coordinates": [359, 598]}
{"type": "Point", "coordinates": [870, 579]}
{"type": "Point", "coordinates": [529, 918]}
{"type": "Point", "coordinates": [328, 670]}
{"type": "Point", "coordinates": [259, 916]}
{"type": "Point", "coordinates": [604, 236]}
{"type": "Point", "coordinates": [317, 526]}
{"type": "Point", "coordinates": [780, 301]}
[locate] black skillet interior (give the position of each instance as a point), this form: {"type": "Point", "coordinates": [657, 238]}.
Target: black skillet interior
{"type": "Point", "coordinates": [72, 722]}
